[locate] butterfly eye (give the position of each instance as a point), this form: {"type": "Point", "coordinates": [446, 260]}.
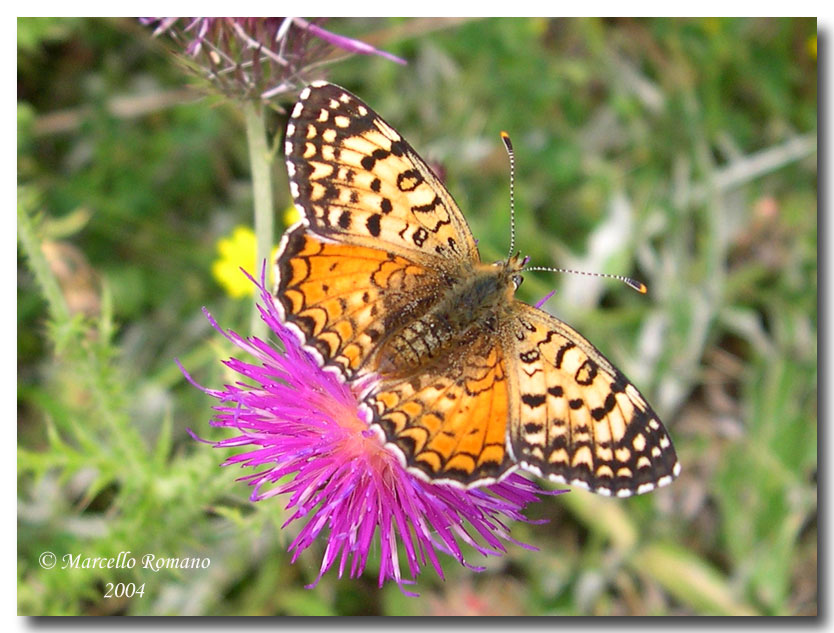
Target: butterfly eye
{"type": "Point", "coordinates": [517, 279]}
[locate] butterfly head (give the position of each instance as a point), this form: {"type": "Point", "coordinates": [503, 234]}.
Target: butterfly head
{"type": "Point", "coordinates": [512, 267]}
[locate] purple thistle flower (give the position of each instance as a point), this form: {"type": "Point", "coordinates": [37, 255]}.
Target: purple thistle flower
{"type": "Point", "coordinates": [257, 57]}
{"type": "Point", "coordinates": [309, 442]}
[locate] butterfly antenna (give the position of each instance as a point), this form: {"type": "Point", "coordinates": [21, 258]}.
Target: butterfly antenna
{"type": "Point", "coordinates": [639, 286]}
{"type": "Point", "coordinates": [509, 147]}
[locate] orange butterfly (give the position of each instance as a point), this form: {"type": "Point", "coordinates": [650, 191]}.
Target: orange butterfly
{"type": "Point", "coordinates": [382, 282]}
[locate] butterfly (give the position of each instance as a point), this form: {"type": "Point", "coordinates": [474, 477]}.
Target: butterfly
{"type": "Point", "coordinates": [382, 283]}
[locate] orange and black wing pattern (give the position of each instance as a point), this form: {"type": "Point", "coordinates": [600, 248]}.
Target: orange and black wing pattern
{"type": "Point", "coordinates": [355, 179]}
{"type": "Point", "coordinates": [576, 419]}
{"type": "Point", "coordinates": [449, 422]}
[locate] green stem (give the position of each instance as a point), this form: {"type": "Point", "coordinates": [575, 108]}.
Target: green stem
{"type": "Point", "coordinates": [83, 357]}
{"type": "Point", "coordinates": [27, 235]}
{"type": "Point", "coordinates": [260, 160]}
{"type": "Point", "coordinates": [681, 572]}
{"type": "Point", "coordinates": [690, 579]}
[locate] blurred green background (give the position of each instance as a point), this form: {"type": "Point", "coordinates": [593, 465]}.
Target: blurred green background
{"type": "Point", "coordinates": [681, 152]}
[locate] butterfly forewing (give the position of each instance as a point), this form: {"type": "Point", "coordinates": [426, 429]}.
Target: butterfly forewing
{"type": "Point", "coordinates": [576, 418]}
{"type": "Point", "coordinates": [353, 177]}
{"type": "Point", "coordinates": [341, 299]}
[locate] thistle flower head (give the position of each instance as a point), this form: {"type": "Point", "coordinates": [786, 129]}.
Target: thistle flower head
{"type": "Point", "coordinates": [256, 58]}
{"type": "Point", "coordinates": [303, 433]}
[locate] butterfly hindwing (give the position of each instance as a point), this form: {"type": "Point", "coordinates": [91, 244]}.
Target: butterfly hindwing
{"type": "Point", "coordinates": [449, 422]}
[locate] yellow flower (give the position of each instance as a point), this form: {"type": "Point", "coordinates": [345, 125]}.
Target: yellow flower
{"type": "Point", "coordinates": [236, 252]}
{"type": "Point", "coordinates": [811, 43]}
{"type": "Point", "coordinates": [291, 215]}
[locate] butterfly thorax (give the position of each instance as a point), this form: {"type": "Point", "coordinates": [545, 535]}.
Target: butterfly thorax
{"type": "Point", "coordinates": [470, 307]}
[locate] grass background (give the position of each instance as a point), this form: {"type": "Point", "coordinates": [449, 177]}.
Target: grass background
{"type": "Point", "coordinates": [682, 152]}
